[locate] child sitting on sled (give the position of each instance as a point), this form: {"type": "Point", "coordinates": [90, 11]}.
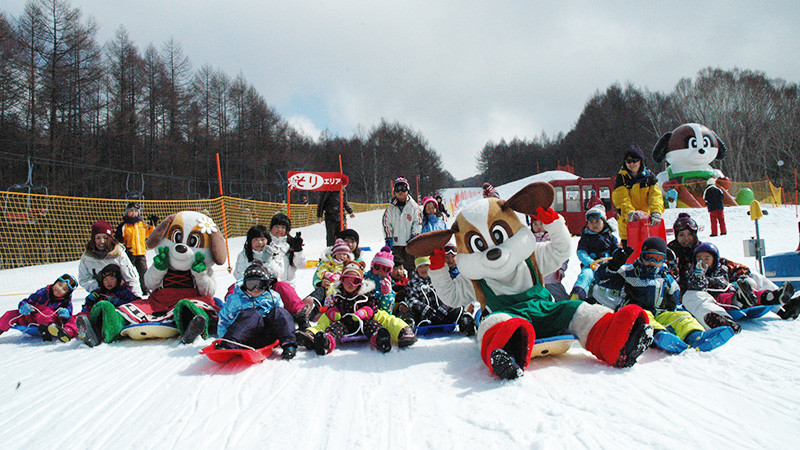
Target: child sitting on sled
{"type": "Point", "coordinates": [423, 307]}
{"type": "Point", "coordinates": [712, 287]}
{"type": "Point", "coordinates": [646, 283]}
{"type": "Point", "coordinates": [351, 311]}
{"type": "Point", "coordinates": [253, 315]}
{"type": "Point", "coordinates": [597, 241]}
{"type": "Point", "coordinates": [50, 308]}
{"type": "Point", "coordinates": [111, 288]}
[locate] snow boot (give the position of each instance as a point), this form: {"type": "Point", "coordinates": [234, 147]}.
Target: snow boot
{"type": "Point", "coordinates": [744, 297]}
{"type": "Point", "coordinates": [791, 309]}
{"type": "Point", "coordinates": [57, 332]}
{"type": "Point", "coordinates": [86, 332]}
{"type": "Point", "coordinates": [382, 340]}
{"type": "Point", "coordinates": [715, 320]}
{"type": "Point", "coordinates": [466, 324]}
{"type": "Point", "coordinates": [406, 337]}
{"type": "Point", "coordinates": [706, 341]}
{"type": "Point", "coordinates": [45, 335]}
{"type": "Point", "coordinates": [504, 365]}
{"type": "Point", "coordinates": [195, 328]}
{"type": "Point", "coordinates": [324, 343]}
{"type": "Point", "coordinates": [780, 296]}
{"type": "Point", "coordinates": [305, 338]}
{"type": "Point", "coordinates": [514, 335]}
{"type": "Point", "coordinates": [301, 317]}
{"type": "Point", "coordinates": [669, 342]}
{"type": "Point", "coordinates": [619, 338]}
{"type": "Point", "coordinates": [289, 352]}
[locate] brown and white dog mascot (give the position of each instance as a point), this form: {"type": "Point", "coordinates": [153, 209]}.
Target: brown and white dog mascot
{"type": "Point", "coordinates": [689, 151]}
{"type": "Point", "coordinates": [188, 245]}
{"type": "Point", "coordinates": [501, 267]}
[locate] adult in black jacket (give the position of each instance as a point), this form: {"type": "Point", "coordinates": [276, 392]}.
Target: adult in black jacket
{"type": "Point", "coordinates": [715, 202]}
{"type": "Point", "coordinates": [329, 207]}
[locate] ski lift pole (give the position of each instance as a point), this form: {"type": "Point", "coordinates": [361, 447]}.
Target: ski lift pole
{"type": "Point", "coordinates": [224, 217]}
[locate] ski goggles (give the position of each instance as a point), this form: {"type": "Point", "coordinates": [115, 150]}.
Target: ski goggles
{"type": "Point", "coordinates": [684, 223]}
{"type": "Point", "coordinates": [401, 188]}
{"type": "Point", "coordinates": [450, 250]}
{"type": "Point", "coordinates": [594, 216]}
{"type": "Point", "coordinates": [377, 267]}
{"type": "Point", "coordinates": [351, 281]}
{"type": "Point", "coordinates": [653, 257]}
{"type": "Point", "coordinates": [255, 284]}
{"type": "Point", "coordinates": [69, 281]}
{"type": "Point", "coordinates": [631, 160]}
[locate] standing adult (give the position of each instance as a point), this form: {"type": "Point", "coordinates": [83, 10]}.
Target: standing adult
{"type": "Point", "coordinates": [329, 207]}
{"type": "Point", "coordinates": [402, 220]}
{"type": "Point", "coordinates": [102, 250]}
{"type": "Point", "coordinates": [636, 193]}
{"type": "Point", "coordinates": [715, 202]}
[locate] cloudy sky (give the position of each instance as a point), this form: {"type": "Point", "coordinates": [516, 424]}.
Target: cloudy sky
{"type": "Point", "coordinates": [461, 73]}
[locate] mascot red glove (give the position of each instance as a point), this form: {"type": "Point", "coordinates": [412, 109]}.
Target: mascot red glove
{"type": "Point", "coordinates": [545, 215]}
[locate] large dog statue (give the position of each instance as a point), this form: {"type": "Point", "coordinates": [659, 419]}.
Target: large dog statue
{"type": "Point", "coordinates": [501, 267]}
{"type": "Point", "coordinates": [689, 151]}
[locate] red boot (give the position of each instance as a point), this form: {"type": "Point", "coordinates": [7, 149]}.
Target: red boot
{"type": "Point", "coordinates": [619, 338]}
{"type": "Point", "coordinates": [515, 336]}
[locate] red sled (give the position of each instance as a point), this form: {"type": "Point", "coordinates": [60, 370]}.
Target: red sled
{"type": "Point", "coordinates": [639, 231]}
{"type": "Point", "coordinates": [248, 354]}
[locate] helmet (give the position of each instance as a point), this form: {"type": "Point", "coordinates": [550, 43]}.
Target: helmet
{"type": "Point", "coordinates": [708, 247]}
{"type": "Point", "coordinates": [684, 222]}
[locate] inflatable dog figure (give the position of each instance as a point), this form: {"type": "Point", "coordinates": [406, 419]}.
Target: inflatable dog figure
{"type": "Point", "coordinates": [501, 267]}
{"type": "Point", "coordinates": [689, 151]}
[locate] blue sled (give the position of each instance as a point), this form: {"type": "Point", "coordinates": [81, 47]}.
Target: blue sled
{"type": "Point", "coordinates": [32, 330]}
{"type": "Point", "coordinates": [753, 312]}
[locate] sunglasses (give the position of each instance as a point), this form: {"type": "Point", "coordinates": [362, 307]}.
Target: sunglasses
{"type": "Point", "coordinates": [381, 268]}
{"type": "Point", "coordinates": [255, 284]}
{"type": "Point", "coordinates": [401, 188]}
{"type": "Point", "coordinates": [69, 281]}
{"type": "Point", "coordinates": [351, 281]}
{"type": "Point", "coordinates": [653, 257]}
{"type": "Point", "coordinates": [631, 161]}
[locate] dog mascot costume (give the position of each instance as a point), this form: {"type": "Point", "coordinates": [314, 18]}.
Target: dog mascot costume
{"type": "Point", "coordinates": [181, 279]}
{"type": "Point", "coordinates": [689, 151]}
{"type": "Point", "coordinates": [501, 267]}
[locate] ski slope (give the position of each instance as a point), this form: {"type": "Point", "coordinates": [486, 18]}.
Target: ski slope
{"type": "Point", "coordinates": [435, 394]}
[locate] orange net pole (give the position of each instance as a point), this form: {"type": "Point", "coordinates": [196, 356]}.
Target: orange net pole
{"type": "Point", "coordinates": [224, 218]}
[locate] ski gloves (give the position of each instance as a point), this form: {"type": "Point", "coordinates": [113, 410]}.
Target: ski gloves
{"type": "Point", "coordinates": [25, 308]}
{"type": "Point", "coordinates": [619, 257]}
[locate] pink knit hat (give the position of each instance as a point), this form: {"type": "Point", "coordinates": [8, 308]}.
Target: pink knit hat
{"type": "Point", "coordinates": [340, 246]}
{"type": "Point", "coordinates": [383, 257]}
{"type": "Point", "coordinates": [427, 200]}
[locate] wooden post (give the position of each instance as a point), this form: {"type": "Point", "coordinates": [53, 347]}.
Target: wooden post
{"type": "Point", "coordinates": [341, 197]}
{"type": "Point", "coordinates": [224, 217]}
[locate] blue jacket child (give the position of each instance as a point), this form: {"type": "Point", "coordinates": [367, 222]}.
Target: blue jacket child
{"type": "Point", "coordinates": [597, 241]}
{"type": "Point", "coordinates": [254, 316]}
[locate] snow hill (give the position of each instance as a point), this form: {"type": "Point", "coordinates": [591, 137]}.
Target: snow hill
{"type": "Point", "coordinates": [435, 394]}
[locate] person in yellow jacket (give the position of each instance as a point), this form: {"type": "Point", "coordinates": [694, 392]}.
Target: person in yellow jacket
{"type": "Point", "coordinates": [132, 232]}
{"type": "Point", "coordinates": [636, 193]}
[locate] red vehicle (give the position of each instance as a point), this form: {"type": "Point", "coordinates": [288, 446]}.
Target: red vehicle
{"type": "Point", "coordinates": [571, 197]}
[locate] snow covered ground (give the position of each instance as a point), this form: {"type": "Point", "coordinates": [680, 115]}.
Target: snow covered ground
{"type": "Point", "coordinates": [435, 394]}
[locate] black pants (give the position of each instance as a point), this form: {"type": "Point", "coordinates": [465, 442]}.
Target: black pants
{"type": "Point", "coordinates": [332, 226]}
{"type": "Point", "coordinates": [140, 262]}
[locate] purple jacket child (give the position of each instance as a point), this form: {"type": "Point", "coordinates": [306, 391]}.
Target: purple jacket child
{"type": "Point", "coordinates": [50, 307]}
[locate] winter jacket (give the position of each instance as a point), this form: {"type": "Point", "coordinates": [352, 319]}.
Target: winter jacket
{"type": "Point", "coordinates": [281, 257]}
{"type": "Point", "coordinates": [385, 301]}
{"type": "Point", "coordinates": [714, 198]}
{"type": "Point", "coordinates": [423, 302]}
{"type": "Point", "coordinates": [118, 297]}
{"type": "Point", "coordinates": [714, 281]}
{"type": "Point", "coordinates": [635, 193]}
{"type": "Point", "coordinates": [91, 264]}
{"type": "Point", "coordinates": [651, 288]}
{"type": "Point", "coordinates": [683, 262]}
{"type": "Point", "coordinates": [238, 300]}
{"type": "Point", "coordinates": [133, 236]}
{"type": "Point", "coordinates": [44, 298]}
{"type": "Point", "coordinates": [348, 304]}
{"type": "Point", "coordinates": [433, 223]}
{"type": "Point", "coordinates": [593, 246]}
{"type": "Point", "coordinates": [402, 222]}
{"type": "Point", "coordinates": [329, 205]}
{"type": "Point", "coordinates": [242, 263]}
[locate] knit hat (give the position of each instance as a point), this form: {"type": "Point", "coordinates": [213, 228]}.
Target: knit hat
{"type": "Point", "coordinates": [353, 268]}
{"type": "Point", "coordinates": [634, 152]}
{"type": "Point", "coordinates": [596, 209]}
{"type": "Point", "coordinates": [257, 271]}
{"type": "Point", "coordinates": [339, 246]}
{"type": "Point", "coordinates": [101, 227]}
{"type": "Point", "coordinates": [427, 200]}
{"type": "Point", "coordinates": [281, 219]}
{"type": "Point", "coordinates": [111, 270]}
{"type": "Point", "coordinates": [489, 191]}
{"type": "Point", "coordinates": [347, 233]}
{"type": "Point", "coordinates": [654, 243]}
{"type": "Point", "coordinates": [384, 256]}
{"type": "Point", "coordinates": [401, 180]}
{"type": "Point", "coordinates": [422, 261]}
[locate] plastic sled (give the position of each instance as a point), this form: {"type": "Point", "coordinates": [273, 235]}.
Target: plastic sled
{"type": "Point", "coordinates": [141, 331]}
{"type": "Point", "coordinates": [430, 330]}
{"type": "Point", "coordinates": [639, 231]}
{"type": "Point", "coordinates": [713, 338]}
{"type": "Point", "coordinates": [669, 342]}
{"type": "Point", "coordinates": [32, 330]}
{"type": "Point", "coordinates": [554, 345]}
{"type": "Point", "coordinates": [252, 356]}
{"type": "Point", "coordinates": [753, 312]}
{"type": "Point", "coordinates": [354, 338]}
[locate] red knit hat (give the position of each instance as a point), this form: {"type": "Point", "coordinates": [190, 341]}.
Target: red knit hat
{"type": "Point", "coordinates": [101, 227]}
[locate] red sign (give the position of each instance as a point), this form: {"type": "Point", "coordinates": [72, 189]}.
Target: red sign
{"type": "Point", "coordinates": [317, 181]}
